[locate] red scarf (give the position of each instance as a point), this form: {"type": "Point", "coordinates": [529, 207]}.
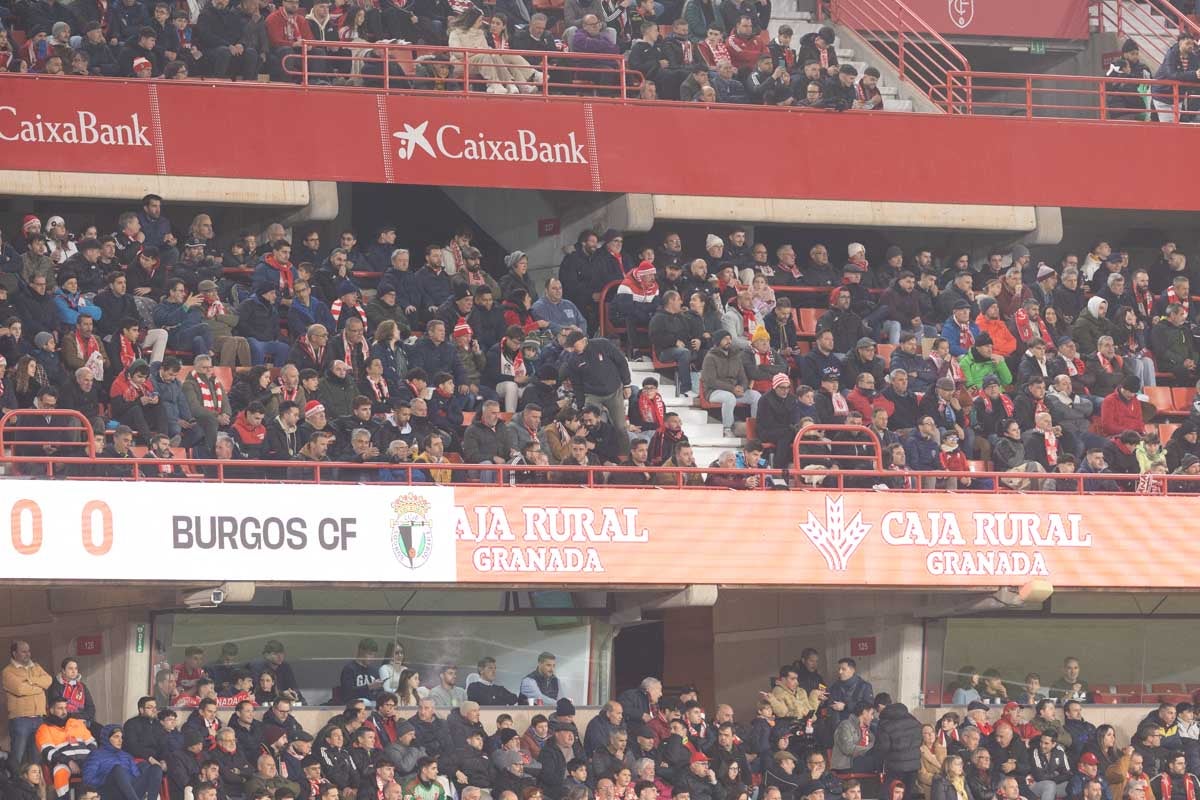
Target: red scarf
{"type": "Point", "coordinates": [74, 694]}
{"type": "Point", "coordinates": [652, 410]}
{"type": "Point", "coordinates": [944, 738]}
{"type": "Point", "coordinates": [128, 352]}
{"type": "Point", "coordinates": [1025, 330]}
{"type": "Point", "coordinates": [212, 401]}
{"type": "Point", "coordinates": [840, 407]}
{"type": "Point", "coordinates": [317, 356]}
{"type": "Point", "coordinates": [966, 339]}
{"type": "Point", "coordinates": [379, 388]}
{"type": "Point", "coordinates": [749, 321]}
{"type": "Point", "coordinates": [288, 394]}
{"type": "Point", "coordinates": [1143, 300]}
{"type": "Point", "coordinates": [719, 52]}
{"type": "Point", "coordinates": [362, 347]}
{"type": "Point", "coordinates": [1005, 400]}
{"type": "Point", "coordinates": [1172, 297]}
{"type": "Point", "coordinates": [1051, 448]}
{"type": "Point", "coordinates": [864, 735]}
{"type": "Point", "coordinates": [87, 346]}
{"type": "Point", "coordinates": [1165, 786]}
{"type": "Point", "coordinates": [455, 251]}
{"type": "Point", "coordinates": [213, 309]}
{"type": "Point", "coordinates": [336, 310]}
{"type": "Point", "coordinates": [1105, 363]}
{"type": "Point", "coordinates": [284, 270]}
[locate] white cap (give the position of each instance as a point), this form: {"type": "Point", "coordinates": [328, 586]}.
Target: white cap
{"type": "Point", "coordinates": [854, 248]}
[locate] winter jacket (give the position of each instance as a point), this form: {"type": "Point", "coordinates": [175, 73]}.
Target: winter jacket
{"type": "Point", "coordinates": [25, 689]}
{"type": "Point", "coordinates": [723, 371]}
{"type": "Point", "coordinates": [575, 272]}
{"type": "Point", "coordinates": [100, 764]}
{"type": "Point", "coordinates": [777, 418]}
{"type": "Point", "coordinates": [432, 287]}
{"type": "Point", "coordinates": [899, 739]}
{"type": "Point", "coordinates": [847, 326]}
{"type": "Point", "coordinates": [600, 370]}
{"type": "Point", "coordinates": [847, 744]}
{"type": "Point", "coordinates": [1088, 329]}
{"type": "Point", "coordinates": [434, 735]}
{"type": "Point", "coordinates": [299, 317]}
{"type": "Point", "coordinates": [1172, 345]}
{"type": "Point", "coordinates": [258, 319]}
{"type": "Point", "coordinates": [851, 692]}
{"type": "Point", "coordinates": [337, 394]}
{"type": "Point", "coordinates": [436, 358]}
{"type": "Point", "coordinates": [942, 789]}
{"type": "Point", "coordinates": [1003, 342]}
{"type": "Point", "coordinates": [1175, 67]}
{"type": "Point", "coordinates": [668, 329]}
{"type": "Point", "coordinates": [1118, 414]}
{"type": "Point", "coordinates": [481, 444]}
{"type": "Point", "coordinates": [145, 738]}
{"type": "Point", "coordinates": [1052, 767]}
{"type": "Point", "coordinates": [975, 368]}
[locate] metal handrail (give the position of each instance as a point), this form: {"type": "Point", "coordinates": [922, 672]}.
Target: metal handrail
{"type": "Point", "coordinates": [1043, 96]}
{"type": "Point", "coordinates": [1130, 18]}
{"type": "Point", "coordinates": [319, 61]}
{"type": "Point", "coordinates": [897, 33]}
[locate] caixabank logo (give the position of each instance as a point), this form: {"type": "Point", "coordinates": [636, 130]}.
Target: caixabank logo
{"type": "Point", "coordinates": [993, 543]}
{"type": "Point", "coordinates": [450, 141]}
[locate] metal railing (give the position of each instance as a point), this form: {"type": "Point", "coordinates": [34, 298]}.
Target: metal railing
{"type": "Point", "coordinates": [897, 33]}
{"type": "Point", "coordinates": [1153, 24]}
{"type": "Point", "coordinates": [1076, 97]}
{"type": "Point", "coordinates": [15, 454]}
{"type": "Point", "coordinates": [460, 70]}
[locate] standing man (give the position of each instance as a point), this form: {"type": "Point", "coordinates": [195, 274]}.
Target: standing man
{"type": "Point", "coordinates": [25, 685]}
{"type": "Point", "coordinates": [600, 373]}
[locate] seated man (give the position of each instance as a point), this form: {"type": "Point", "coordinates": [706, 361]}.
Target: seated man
{"type": "Point", "coordinates": [64, 744]}
{"type": "Point", "coordinates": [724, 377]}
{"type": "Point", "coordinates": [180, 316]}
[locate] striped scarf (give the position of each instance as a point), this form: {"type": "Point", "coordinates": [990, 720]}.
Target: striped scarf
{"type": "Point", "coordinates": [336, 310]}
{"type": "Point", "coordinates": [213, 309]}
{"type": "Point", "coordinates": [212, 401]}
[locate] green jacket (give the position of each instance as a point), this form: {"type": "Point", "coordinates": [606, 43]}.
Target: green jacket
{"type": "Point", "coordinates": [975, 371]}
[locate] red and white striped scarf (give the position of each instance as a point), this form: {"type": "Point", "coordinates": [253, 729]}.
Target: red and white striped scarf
{"type": "Point", "coordinates": [1173, 297]}
{"type": "Point", "coordinates": [213, 309]}
{"type": "Point", "coordinates": [514, 365]}
{"type": "Point", "coordinates": [212, 401]}
{"type": "Point", "coordinates": [379, 388]}
{"type": "Point", "coordinates": [349, 348]}
{"type": "Point", "coordinates": [1051, 447]}
{"type": "Point", "coordinates": [336, 310]}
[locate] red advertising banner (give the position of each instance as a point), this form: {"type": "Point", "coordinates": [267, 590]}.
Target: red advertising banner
{"type": "Point", "coordinates": [277, 132]}
{"type": "Point", "coordinates": [1025, 19]}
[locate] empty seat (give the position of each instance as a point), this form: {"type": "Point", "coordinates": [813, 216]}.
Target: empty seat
{"type": "Point", "coordinates": [807, 320]}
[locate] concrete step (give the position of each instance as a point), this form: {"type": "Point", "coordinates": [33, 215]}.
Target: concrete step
{"type": "Point", "coordinates": [897, 105]}
{"type": "Point", "coordinates": [888, 91]}
{"type": "Point", "coordinates": [692, 416]}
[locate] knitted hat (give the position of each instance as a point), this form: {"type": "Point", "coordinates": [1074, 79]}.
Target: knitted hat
{"type": "Point", "coordinates": [1019, 251]}
{"type": "Point", "coordinates": [56, 220]}
{"type": "Point", "coordinates": [141, 63]}
{"type": "Point", "coordinates": [272, 734]}
{"type": "Point", "coordinates": [30, 221]}
{"type": "Point", "coordinates": [192, 737]}
{"type": "Point", "coordinates": [610, 234]}
{"type": "Point", "coordinates": [313, 407]}
{"type": "Point", "coordinates": [1045, 271]}
{"type": "Point", "coordinates": [462, 328]}
{"type": "Point", "coordinates": [892, 252]}
{"type": "Point", "coordinates": [854, 249]}
{"type": "Point", "coordinates": [404, 727]}
{"type": "Point", "coordinates": [507, 758]}
{"type": "Point", "coordinates": [990, 380]}
{"type": "Point", "coordinates": [42, 339]}
{"type": "Point", "coordinates": [346, 286]}
{"type": "Point", "coordinates": [507, 735]}
{"type": "Point", "coordinates": [760, 333]}
{"type": "Point", "coordinates": [780, 379]}
{"type": "Point", "coordinates": [564, 708]}
{"type": "Point", "coordinates": [983, 339]}
{"type": "Point", "coordinates": [1132, 383]}
{"type": "Point", "coordinates": [712, 240]}
{"type": "Point", "coordinates": [985, 303]}
{"type": "Point", "coordinates": [644, 270]}
{"type": "Point", "coordinates": [512, 258]}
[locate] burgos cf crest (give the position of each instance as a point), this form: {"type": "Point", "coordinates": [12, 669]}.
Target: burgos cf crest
{"type": "Point", "coordinates": [411, 530]}
{"type": "Point", "coordinates": [837, 538]}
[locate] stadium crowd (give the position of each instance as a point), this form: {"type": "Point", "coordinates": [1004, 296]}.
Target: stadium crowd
{"type": "Point", "coordinates": [707, 50]}
{"type": "Point", "coordinates": [809, 740]}
{"type": "Point", "coordinates": [1037, 368]}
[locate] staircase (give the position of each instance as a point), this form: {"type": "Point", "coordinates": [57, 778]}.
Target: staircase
{"type": "Point", "coordinates": [802, 22]}
{"type": "Point", "coordinates": [702, 430]}
{"type": "Point", "coordinates": [1153, 24]}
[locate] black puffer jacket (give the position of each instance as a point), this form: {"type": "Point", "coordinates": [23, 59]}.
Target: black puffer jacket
{"type": "Point", "coordinates": [898, 741]}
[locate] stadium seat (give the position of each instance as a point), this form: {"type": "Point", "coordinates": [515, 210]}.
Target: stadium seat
{"type": "Point", "coordinates": [807, 321]}
{"type": "Point", "coordinates": [1183, 397]}
{"type": "Point", "coordinates": [1161, 397]}
{"type": "Point", "coordinates": [884, 351]}
{"type": "Point", "coordinates": [1166, 430]}
{"type": "Point", "coordinates": [703, 400]}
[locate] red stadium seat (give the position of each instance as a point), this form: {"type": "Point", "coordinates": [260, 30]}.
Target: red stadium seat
{"type": "Point", "coordinates": [1161, 397]}
{"type": "Point", "coordinates": [1183, 397]}
{"type": "Point", "coordinates": [807, 321]}
{"type": "Point", "coordinates": [884, 351]}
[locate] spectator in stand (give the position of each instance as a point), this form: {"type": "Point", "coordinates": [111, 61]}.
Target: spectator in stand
{"type": "Point", "coordinates": [724, 378]}
{"type": "Point", "coordinates": [1180, 63]}
{"type": "Point", "coordinates": [286, 27]}
{"type": "Point", "coordinates": [258, 321]}
{"type": "Point", "coordinates": [25, 687]}
{"type": "Point", "coordinates": [116, 773]}
{"type": "Point", "coordinates": [1122, 410]}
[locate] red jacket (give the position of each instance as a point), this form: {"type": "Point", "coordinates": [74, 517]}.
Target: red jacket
{"type": "Point", "coordinates": [285, 30]}
{"type": "Point", "coordinates": [1117, 415]}
{"type": "Point", "coordinates": [744, 53]}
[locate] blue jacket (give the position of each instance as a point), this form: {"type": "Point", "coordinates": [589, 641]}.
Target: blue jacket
{"type": "Point", "coordinates": [155, 229]}
{"type": "Point", "coordinates": [920, 452]}
{"type": "Point", "coordinates": [171, 398]}
{"type": "Point", "coordinates": [951, 334]}
{"type": "Point", "coordinates": [69, 306]}
{"type": "Point", "coordinates": [432, 287]}
{"type": "Point", "coordinates": [377, 257]}
{"type": "Point", "coordinates": [559, 315]}
{"type": "Point", "coordinates": [437, 358]}
{"type": "Point", "coordinates": [265, 273]}
{"type": "Point", "coordinates": [315, 313]}
{"type": "Point", "coordinates": [176, 319]}
{"type": "Point", "coordinates": [851, 692]}
{"type": "Point", "coordinates": [1172, 68]}
{"type": "Point", "coordinates": [105, 759]}
{"type": "Point", "coordinates": [405, 284]}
